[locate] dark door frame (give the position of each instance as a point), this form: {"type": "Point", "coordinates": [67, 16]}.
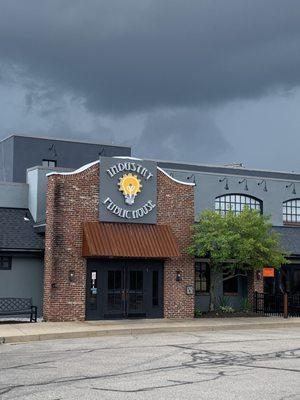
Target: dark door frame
{"type": "Point", "coordinates": [152, 291]}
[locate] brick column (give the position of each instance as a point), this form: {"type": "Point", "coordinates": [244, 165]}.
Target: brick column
{"type": "Point", "coordinates": [176, 208]}
{"type": "Point", "coordinates": [254, 285]}
{"type": "Point", "coordinates": [71, 200]}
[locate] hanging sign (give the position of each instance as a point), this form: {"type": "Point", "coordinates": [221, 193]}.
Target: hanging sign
{"type": "Point", "coordinates": [268, 272]}
{"type": "Point", "coordinates": [128, 190]}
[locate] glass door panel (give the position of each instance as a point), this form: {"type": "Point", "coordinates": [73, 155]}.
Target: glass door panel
{"type": "Point", "coordinates": [114, 291]}
{"type": "Point", "coordinates": [155, 288]}
{"type": "Point", "coordinates": [135, 293]}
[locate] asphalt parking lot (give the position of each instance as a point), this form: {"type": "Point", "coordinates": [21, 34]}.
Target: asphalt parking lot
{"type": "Point", "coordinates": [262, 364]}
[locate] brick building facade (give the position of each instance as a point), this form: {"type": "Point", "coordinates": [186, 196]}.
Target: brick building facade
{"type": "Point", "coordinates": [73, 262]}
{"type": "Point", "coordinates": [72, 200]}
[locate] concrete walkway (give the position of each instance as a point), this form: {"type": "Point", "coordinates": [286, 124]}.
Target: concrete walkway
{"type": "Point", "coordinates": [26, 332]}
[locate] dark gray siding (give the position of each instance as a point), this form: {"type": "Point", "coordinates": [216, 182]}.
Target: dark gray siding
{"type": "Point", "coordinates": [30, 151]}
{"type": "Point", "coordinates": [6, 160]}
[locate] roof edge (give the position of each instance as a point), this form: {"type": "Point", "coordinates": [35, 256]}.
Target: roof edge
{"type": "Point", "coordinates": [64, 140]}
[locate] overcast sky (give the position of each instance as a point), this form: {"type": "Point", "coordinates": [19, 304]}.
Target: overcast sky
{"type": "Point", "coordinates": [206, 81]}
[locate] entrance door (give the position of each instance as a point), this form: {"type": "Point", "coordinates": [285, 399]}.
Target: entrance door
{"type": "Point", "coordinates": [124, 289]}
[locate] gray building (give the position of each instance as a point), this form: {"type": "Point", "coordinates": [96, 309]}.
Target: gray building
{"type": "Point", "coordinates": [18, 153]}
{"type": "Point", "coordinates": [21, 256]}
{"type": "Point", "coordinates": [274, 193]}
{"type": "Point", "coordinates": [24, 163]}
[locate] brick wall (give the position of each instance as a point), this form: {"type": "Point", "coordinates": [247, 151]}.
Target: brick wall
{"type": "Point", "coordinates": [254, 284]}
{"type": "Point", "coordinates": [74, 199]}
{"type": "Point", "coordinates": [176, 208]}
{"type": "Point", "coordinates": [71, 199]}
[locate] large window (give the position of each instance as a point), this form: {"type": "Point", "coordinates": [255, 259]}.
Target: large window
{"type": "Point", "coordinates": [291, 211]}
{"type": "Point", "coordinates": [236, 203]}
{"type": "Point", "coordinates": [202, 277]}
{"type": "Point", "coordinates": [5, 262]}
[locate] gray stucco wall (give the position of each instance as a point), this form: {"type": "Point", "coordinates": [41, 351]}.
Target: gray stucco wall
{"type": "Point", "coordinates": [208, 188]}
{"type": "Point", "coordinates": [6, 160]}
{"type": "Point", "coordinates": [25, 279]}
{"type": "Point", "coordinates": [235, 301]}
{"type": "Point", "coordinates": [29, 152]}
{"type": "Point", "coordinates": [37, 181]}
{"type": "Point", "coordinates": [13, 195]}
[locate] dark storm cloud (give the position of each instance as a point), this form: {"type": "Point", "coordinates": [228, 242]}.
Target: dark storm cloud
{"type": "Point", "coordinates": [184, 135]}
{"type": "Point", "coordinates": [139, 55]}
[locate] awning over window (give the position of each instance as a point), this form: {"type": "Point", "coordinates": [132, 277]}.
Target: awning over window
{"type": "Point", "coordinates": [102, 239]}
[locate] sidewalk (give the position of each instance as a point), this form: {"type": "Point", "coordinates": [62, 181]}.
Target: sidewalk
{"type": "Point", "coordinates": [26, 332]}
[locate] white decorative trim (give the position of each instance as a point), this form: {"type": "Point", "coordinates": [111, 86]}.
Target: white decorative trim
{"type": "Point", "coordinates": [129, 158]}
{"type": "Point", "coordinates": [77, 171]}
{"type": "Point", "coordinates": [84, 167]}
{"type": "Point", "coordinates": [176, 180]}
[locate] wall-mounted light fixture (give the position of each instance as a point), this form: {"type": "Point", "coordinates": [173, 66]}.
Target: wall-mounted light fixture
{"type": "Point", "coordinates": [292, 184]}
{"type": "Point", "coordinates": [191, 178]}
{"type": "Point", "coordinates": [26, 217]}
{"type": "Point", "coordinates": [101, 152]}
{"type": "Point", "coordinates": [178, 276]}
{"type": "Point", "coordinates": [226, 187]}
{"type": "Point", "coordinates": [246, 183]}
{"type": "Point", "coordinates": [71, 276]}
{"type": "Point", "coordinates": [263, 182]}
{"type": "Point", "coordinates": [53, 149]}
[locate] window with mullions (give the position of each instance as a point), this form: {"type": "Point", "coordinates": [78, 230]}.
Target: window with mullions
{"type": "Point", "coordinates": [5, 262]}
{"type": "Point", "coordinates": [202, 277]}
{"type": "Point", "coordinates": [49, 163]}
{"type": "Point", "coordinates": [236, 203]}
{"type": "Point", "coordinates": [291, 211]}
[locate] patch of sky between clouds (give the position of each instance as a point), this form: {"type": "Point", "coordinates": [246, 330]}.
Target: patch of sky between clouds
{"type": "Point", "coordinates": [265, 132]}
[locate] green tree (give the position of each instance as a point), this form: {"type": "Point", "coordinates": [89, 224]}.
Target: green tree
{"type": "Point", "coordinates": [235, 242]}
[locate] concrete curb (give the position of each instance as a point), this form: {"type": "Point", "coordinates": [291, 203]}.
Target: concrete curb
{"type": "Point", "coordinates": [144, 330]}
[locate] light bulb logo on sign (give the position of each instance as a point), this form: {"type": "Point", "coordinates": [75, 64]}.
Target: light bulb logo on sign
{"type": "Point", "coordinates": [128, 190]}
{"type": "Point", "coordinates": [130, 186]}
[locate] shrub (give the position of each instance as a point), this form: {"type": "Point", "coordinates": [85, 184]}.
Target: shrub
{"type": "Point", "coordinates": [224, 305]}
{"type": "Point", "coordinates": [226, 309]}
{"type": "Point", "coordinates": [246, 305]}
{"type": "Point", "coordinates": [198, 312]}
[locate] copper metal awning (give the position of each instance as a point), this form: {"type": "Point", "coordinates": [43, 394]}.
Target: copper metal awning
{"type": "Point", "coordinates": [103, 239]}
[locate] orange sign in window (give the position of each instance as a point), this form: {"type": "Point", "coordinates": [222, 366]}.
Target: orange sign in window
{"type": "Point", "coordinates": [268, 272]}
